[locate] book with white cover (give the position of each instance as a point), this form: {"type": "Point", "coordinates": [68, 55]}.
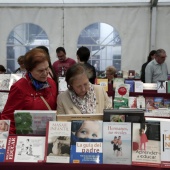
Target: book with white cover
{"type": "Point", "coordinates": [165, 143]}
{"type": "Point", "coordinates": [4, 81]}
{"type": "Point", "coordinates": [14, 78]}
{"type": "Point", "coordinates": [62, 84]}
{"type": "Point", "coordinates": [117, 143]}
{"type": "Point", "coordinates": [3, 99]}
{"type": "Point", "coordinates": [161, 86]}
{"type": "Point", "coordinates": [138, 87]}
{"type": "Point", "coordinates": [25, 149]}
{"type": "Point", "coordinates": [33, 121]}
{"type": "Point", "coordinates": [4, 133]}
{"type": "Point", "coordinates": [58, 142]}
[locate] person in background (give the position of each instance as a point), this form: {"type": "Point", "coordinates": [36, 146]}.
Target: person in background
{"type": "Point", "coordinates": [156, 70]}
{"type": "Point", "coordinates": [2, 69]}
{"type": "Point", "coordinates": [110, 73]}
{"type": "Point", "coordinates": [63, 63]}
{"type": "Point", "coordinates": [150, 58]}
{"type": "Point", "coordinates": [35, 91]}
{"type": "Point", "coordinates": [21, 68]}
{"type": "Point", "coordinates": [83, 55]}
{"type": "Point", "coordinates": [52, 73]}
{"type": "Point", "coordinates": [81, 97]}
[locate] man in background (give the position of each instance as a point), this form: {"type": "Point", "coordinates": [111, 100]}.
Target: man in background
{"type": "Point", "coordinates": [63, 63]}
{"type": "Point", "coordinates": [156, 70]}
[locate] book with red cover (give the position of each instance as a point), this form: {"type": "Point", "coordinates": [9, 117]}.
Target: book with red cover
{"type": "Point", "coordinates": [25, 149]}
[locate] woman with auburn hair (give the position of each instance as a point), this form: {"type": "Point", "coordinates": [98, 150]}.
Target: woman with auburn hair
{"type": "Point", "coordinates": [35, 91]}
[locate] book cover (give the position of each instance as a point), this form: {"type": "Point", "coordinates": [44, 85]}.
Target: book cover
{"type": "Point", "coordinates": [86, 142]}
{"type": "Point", "coordinates": [58, 142]}
{"type": "Point", "coordinates": [33, 121]}
{"type": "Point", "coordinates": [117, 143]}
{"type": "Point", "coordinates": [132, 102]}
{"type": "Point", "coordinates": [117, 82]}
{"type": "Point", "coordinates": [103, 82]}
{"type": "Point", "coordinates": [161, 86]}
{"type": "Point", "coordinates": [146, 144]}
{"type": "Point", "coordinates": [4, 81]}
{"type": "Point", "coordinates": [165, 143]}
{"type": "Point", "coordinates": [25, 149]}
{"type": "Point", "coordinates": [131, 74]}
{"type": "Point", "coordinates": [141, 102]}
{"type": "Point", "coordinates": [62, 84]}
{"type": "Point", "coordinates": [121, 96]}
{"type": "Point", "coordinates": [131, 83]}
{"type": "Point", "coordinates": [119, 74]}
{"type": "Point", "coordinates": [167, 103]}
{"type": "Point", "coordinates": [149, 103]}
{"type": "Point", "coordinates": [4, 133]}
{"type": "Point", "coordinates": [3, 99]}
{"type": "Point", "coordinates": [158, 102]}
{"type": "Point", "coordinates": [14, 78]}
{"type": "Point", "coordinates": [168, 86]}
{"type": "Point", "coordinates": [138, 87]}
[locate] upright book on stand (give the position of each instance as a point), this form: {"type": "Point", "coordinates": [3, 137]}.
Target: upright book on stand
{"type": "Point", "coordinates": [117, 143]}
{"type": "Point", "coordinates": [86, 142]}
{"type": "Point", "coordinates": [25, 149]}
{"type": "Point", "coordinates": [4, 133]}
{"type": "Point", "coordinates": [58, 142]}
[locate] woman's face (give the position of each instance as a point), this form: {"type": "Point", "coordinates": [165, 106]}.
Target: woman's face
{"type": "Point", "coordinates": [80, 85]}
{"type": "Point", "coordinates": [109, 76]}
{"type": "Point", "coordinates": [89, 129]}
{"type": "Point", "coordinates": [41, 71]}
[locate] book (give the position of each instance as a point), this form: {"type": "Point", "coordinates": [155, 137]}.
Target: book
{"type": "Point", "coordinates": [141, 102]}
{"type": "Point", "coordinates": [131, 74]}
{"type": "Point", "coordinates": [161, 86]}
{"type": "Point", "coordinates": [117, 143]}
{"type": "Point", "coordinates": [14, 78]}
{"type": "Point", "coordinates": [62, 84]}
{"type": "Point", "coordinates": [121, 96]}
{"type": "Point", "coordinates": [158, 102]}
{"type": "Point", "coordinates": [168, 86]}
{"type": "Point", "coordinates": [117, 82]}
{"type": "Point", "coordinates": [119, 74]}
{"type": "Point", "coordinates": [103, 82]}
{"type": "Point", "coordinates": [86, 142]}
{"type": "Point", "coordinates": [25, 149]}
{"type": "Point", "coordinates": [58, 142]}
{"type": "Point", "coordinates": [146, 143]}
{"type": "Point", "coordinates": [132, 102]}
{"type": "Point", "coordinates": [33, 121]}
{"type": "Point", "coordinates": [131, 83]}
{"type": "Point", "coordinates": [123, 115]}
{"type": "Point", "coordinates": [4, 133]}
{"type": "Point", "coordinates": [70, 117]}
{"type": "Point", "coordinates": [3, 99]}
{"type": "Point", "coordinates": [4, 81]}
{"type": "Point", "coordinates": [167, 103]}
{"type": "Point", "coordinates": [165, 143]}
{"type": "Point", "coordinates": [138, 86]}
{"type": "Point", "coordinates": [149, 103]}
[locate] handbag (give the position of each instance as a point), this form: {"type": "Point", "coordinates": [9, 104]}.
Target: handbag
{"type": "Point", "coordinates": [48, 106]}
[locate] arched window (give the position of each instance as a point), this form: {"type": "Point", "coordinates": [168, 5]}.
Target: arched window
{"type": "Point", "coordinates": [104, 43]}
{"type": "Point", "coordinates": [21, 39]}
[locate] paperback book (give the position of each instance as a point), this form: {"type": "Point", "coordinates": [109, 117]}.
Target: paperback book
{"type": "Point", "coordinates": [146, 143]}
{"type": "Point", "coordinates": [33, 121]}
{"type": "Point", "coordinates": [103, 82]}
{"type": "Point", "coordinates": [58, 142]}
{"type": "Point", "coordinates": [25, 149]}
{"type": "Point", "coordinates": [86, 142]}
{"type": "Point", "coordinates": [4, 133]}
{"type": "Point", "coordinates": [117, 143]}
{"type": "Point", "coordinates": [3, 99]}
{"type": "Point", "coordinates": [62, 84]}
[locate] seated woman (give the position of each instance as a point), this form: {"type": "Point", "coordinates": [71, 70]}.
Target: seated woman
{"type": "Point", "coordinates": [82, 97]}
{"type": "Point", "coordinates": [35, 91]}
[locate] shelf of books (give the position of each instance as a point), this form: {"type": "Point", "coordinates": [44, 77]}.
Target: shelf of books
{"type": "Point", "coordinates": [134, 135]}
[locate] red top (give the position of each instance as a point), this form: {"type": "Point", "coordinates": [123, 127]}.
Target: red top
{"type": "Point", "coordinates": [23, 96]}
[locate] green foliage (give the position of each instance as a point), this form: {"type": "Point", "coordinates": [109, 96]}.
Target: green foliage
{"type": "Point", "coordinates": [23, 123]}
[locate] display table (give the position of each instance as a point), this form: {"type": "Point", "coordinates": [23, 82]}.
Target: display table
{"type": "Point", "coordinates": [49, 166]}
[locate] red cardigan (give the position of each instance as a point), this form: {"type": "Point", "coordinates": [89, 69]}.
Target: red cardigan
{"type": "Point", "coordinates": [23, 96]}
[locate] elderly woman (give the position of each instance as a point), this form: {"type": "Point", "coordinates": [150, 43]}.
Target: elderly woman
{"type": "Point", "coordinates": [110, 73]}
{"type": "Point", "coordinates": [82, 97]}
{"type": "Point", "coordinates": [35, 91]}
